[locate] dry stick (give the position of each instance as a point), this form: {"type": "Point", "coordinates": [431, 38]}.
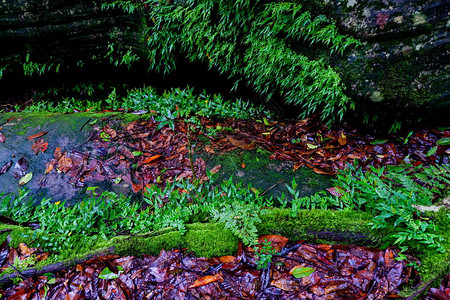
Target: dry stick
{"type": "Point", "coordinates": [263, 193]}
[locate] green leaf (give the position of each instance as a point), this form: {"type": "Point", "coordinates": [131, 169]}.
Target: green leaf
{"type": "Point", "coordinates": [443, 142]}
{"type": "Point", "coordinates": [267, 123]}
{"type": "Point", "coordinates": [298, 272]}
{"type": "Point", "coordinates": [108, 274]}
{"type": "Point", "coordinates": [432, 151]}
{"type": "Point", "coordinates": [378, 142]}
{"type": "Point", "coordinates": [312, 146]}
{"type": "Point", "coordinates": [137, 153]}
{"type": "Point", "coordinates": [26, 178]}
{"type": "Point", "coordinates": [50, 278]}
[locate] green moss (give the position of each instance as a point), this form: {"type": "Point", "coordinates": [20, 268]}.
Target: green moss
{"type": "Point", "coordinates": [212, 239]}
{"type": "Point", "coordinates": [309, 225]}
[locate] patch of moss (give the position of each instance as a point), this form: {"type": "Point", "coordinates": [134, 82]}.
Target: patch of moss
{"type": "Point", "coordinates": [265, 175]}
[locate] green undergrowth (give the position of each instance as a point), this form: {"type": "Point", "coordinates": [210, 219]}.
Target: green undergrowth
{"type": "Point", "coordinates": [372, 208]}
{"type": "Point", "coordinates": [177, 102]}
{"type": "Point", "coordinates": [257, 43]}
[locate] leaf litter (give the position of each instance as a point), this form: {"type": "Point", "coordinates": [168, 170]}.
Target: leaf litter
{"type": "Point", "coordinates": [323, 272]}
{"type": "Point", "coordinates": [143, 153]}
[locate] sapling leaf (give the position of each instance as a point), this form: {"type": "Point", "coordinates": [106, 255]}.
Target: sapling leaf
{"type": "Point", "coordinates": [108, 274]}
{"type": "Point", "coordinates": [432, 151]}
{"type": "Point", "coordinates": [300, 272]}
{"type": "Point", "coordinates": [26, 178]}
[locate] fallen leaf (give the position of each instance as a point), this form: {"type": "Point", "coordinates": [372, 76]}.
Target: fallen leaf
{"type": "Point", "coordinates": [215, 169]}
{"type": "Point", "coordinates": [26, 178]}
{"type": "Point", "coordinates": [57, 154]}
{"type": "Point", "coordinates": [2, 138]}
{"type": "Point", "coordinates": [243, 165]}
{"type": "Point", "coordinates": [300, 272]}
{"type": "Point", "coordinates": [342, 140]}
{"type": "Point", "coordinates": [65, 163]}
{"type": "Point", "coordinates": [206, 279]}
{"type": "Point", "coordinates": [110, 132]}
{"type": "Point", "coordinates": [151, 158]}
{"type": "Point", "coordinates": [311, 146]}
{"type": "Point", "coordinates": [37, 135]}
{"type": "Point", "coordinates": [242, 144]}
{"type": "Point", "coordinates": [39, 145]}
{"type": "Point", "coordinates": [20, 168]}
{"type": "Point", "coordinates": [107, 274]}
{"type": "Point", "coordinates": [48, 167]}
{"type": "Point", "coordinates": [335, 191]}
{"type": "Point", "coordinates": [25, 250]}
{"type": "Point", "coordinates": [276, 241]}
{"type": "Point", "coordinates": [5, 167]}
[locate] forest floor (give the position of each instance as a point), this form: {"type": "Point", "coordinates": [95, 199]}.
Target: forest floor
{"type": "Point", "coordinates": [144, 152]}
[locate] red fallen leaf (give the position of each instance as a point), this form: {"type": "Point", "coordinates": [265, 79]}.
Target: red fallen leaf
{"type": "Point", "coordinates": [65, 163]}
{"type": "Point", "coordinates": [242, 144]}
{"type": "Point", "coordinates": [382, 20]}
{"type": "Point", "coordinates": [206, 279]}
{"type": "Point", "coordinates": [136, 187]}
{"type": "Point", "coordinates": [228, 259]}
{"type": "Point", "coordinates": [43, 256]}
{"type": "Point", "coordinates": [215, 169]}
{"type": "Point", "coordinates": [151, 158]}
{"type": "Point", "coordinates": [335, 191]}
{"type": "Point", "coordinates": [5, 167]}
{"type": "Point", "coordinates": [49, 167]}
{"type": "Point", "coordinates": [39, 145]}
{"type": "Point", "coordinates": [37, 135]}
{"type": "Point", "coordinates": [57, 155]}
{"type": "Point", "coordinates": [276, 241]}
{"type": "Point", "coordinates": [2, 138]}
{"type": "Point", "coordinates": [243, 165]}
{"type": "Point", "coordinates": [297, 165]}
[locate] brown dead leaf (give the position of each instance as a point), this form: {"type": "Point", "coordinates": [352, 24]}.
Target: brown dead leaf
{"type": "Point", "coordinates": [57, 154]}
{"type": "Point", "coordinates": [342, 140]}
{"type": "Point", "coordinates": [2, 138]}
{"type": "Point", "coordinates": [49, 167]}
{"type": "Point", "coordinates": [276, 241]}
{"type": "Point", "coordinates": [65, 163]}
{"type": "Point", "coordinates": [39, 145]}
{"type": "Point", "coordinates": [25, 250]}
{"type": "Point", "coordinates": [241, 144]}
{"type": "Point", "coordinates": [37, 135]}
{"type": "Point", "coordinates": [43, 256]}
{"type": "Point", "coordinates": [109, 131]}
{"type": "Point", "coordinates": [206, 279]}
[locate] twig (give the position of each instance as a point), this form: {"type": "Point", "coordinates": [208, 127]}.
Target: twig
{"type": "Point", "coordinates": [263, 193]}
